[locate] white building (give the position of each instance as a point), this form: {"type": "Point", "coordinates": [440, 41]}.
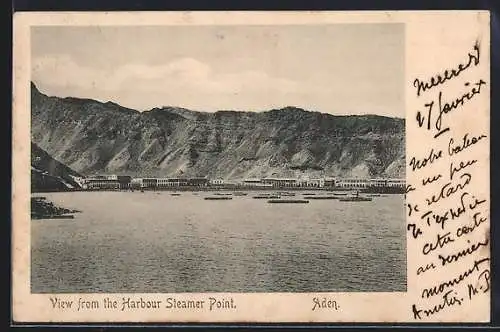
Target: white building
{"type": "Point", "coordinates": [356, 183]}
{"type": "Point", "coordinates": [316, 183]}
{"type": "Point", "coordinates": [377, 182]}
{"type": "Point", "coordinates": [401, 183]}
{"type": "Point", "coordinates": [280, 182]}
{"type": "Point", "coordinates": [216, 182]}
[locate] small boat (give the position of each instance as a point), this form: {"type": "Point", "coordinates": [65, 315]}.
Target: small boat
{"type": "Point", "coordinates": [223, 194]}
{"type": "Point", "coordinates": [222, 198]}
{"type": "Point", "coordinates": [266, 197]}
{"type": "Point", "coordinates": [355, 199]}
{"type": "Point", "coordinates": [175, 194]}
{"type": "Point", "coordinates": [288, 194]}
{"type": "Point", "coordinates": [290, 201]}
{"type": "Point", "coordinates": [240, 194]}
{"type": "Point", "coordinates": [323, 197]}
{"type": "Point", "coordinates": [309, 194]}
{"type": "Point", "coordinates": [373, 195]}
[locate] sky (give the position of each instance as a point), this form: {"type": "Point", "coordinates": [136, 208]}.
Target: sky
{"type": "Point", "coordinates": [338, 69]}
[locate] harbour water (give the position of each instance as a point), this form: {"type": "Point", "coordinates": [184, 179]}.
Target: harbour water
{"type": "Point", "coordinates": [153, 242]}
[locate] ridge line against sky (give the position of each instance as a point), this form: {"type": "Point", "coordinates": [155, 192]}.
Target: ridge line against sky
{"type": "Point", "coordinates": [220, 110]}
{"type": "Point", "coordinates": [338, 69]}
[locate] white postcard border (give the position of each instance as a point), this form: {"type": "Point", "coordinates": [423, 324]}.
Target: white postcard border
{"type": "Point", "coordinates": [434, 41]}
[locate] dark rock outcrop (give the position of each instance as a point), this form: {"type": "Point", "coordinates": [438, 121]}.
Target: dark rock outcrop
{"type": "Point", "coordinates": [48, 174]}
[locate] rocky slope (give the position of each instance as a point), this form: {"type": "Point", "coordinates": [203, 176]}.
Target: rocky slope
{"type": "Point", "coordinates": [94, 137]}
{"type": "Point", "coordinates": [49, 174]}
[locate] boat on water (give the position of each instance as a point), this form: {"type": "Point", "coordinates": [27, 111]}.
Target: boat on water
{"type": "Point", "coordinates": [223, 194]}
{"type": "Point", "coordinates": [355, 198]}
{"type": "Point", "coordinates": [288, 201]}
{"type": "Point", "coordinates": [175, 194]}
{"type": "Point", "coordinates": [240, 194]}
{"type": "Point", "coordinates": [217, 198]}
{"type": "Point", "coordinates": [266, 197]}
{"type": "Point", "coordinates": [323, 197]}
{"type": "Point", "coordinates": [373, 195]}
{"type": "Point", "coordinates": [309, 194]}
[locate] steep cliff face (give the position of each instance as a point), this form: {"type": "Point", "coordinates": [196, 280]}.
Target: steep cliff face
{"type": "Point", "coordinates": [93, 137]}
{"type": "Point", "coordinates": [49, 174]}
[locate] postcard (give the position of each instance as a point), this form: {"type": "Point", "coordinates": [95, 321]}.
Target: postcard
{"type": "Point", "coordinates": [251, 167]}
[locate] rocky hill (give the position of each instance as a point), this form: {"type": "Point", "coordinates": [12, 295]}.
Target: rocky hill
{"type": "Point", "coordinates": [49, 174]}
{"type": "Point", "coordinates": [93, 137]}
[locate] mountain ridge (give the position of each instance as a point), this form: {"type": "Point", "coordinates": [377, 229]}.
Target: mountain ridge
{"type": "Point", "coordinates": [93, 137]}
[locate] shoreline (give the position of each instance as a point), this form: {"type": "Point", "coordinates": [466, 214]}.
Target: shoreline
{"type": "Point", "coordinates": [43, 209]}
{"type": "Point", "coordinates": [205, 189]}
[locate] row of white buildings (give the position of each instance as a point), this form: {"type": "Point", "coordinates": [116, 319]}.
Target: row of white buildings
{"type": "Point", "coordinates": [359, 183]}
{"type": "Point", "coordinates": [126, 182]}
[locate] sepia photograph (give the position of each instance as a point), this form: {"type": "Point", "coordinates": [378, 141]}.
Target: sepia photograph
{"type": "Point", "coordinates": [272, 167]}
{"type": "Point", "coordinates": [218, 159]}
